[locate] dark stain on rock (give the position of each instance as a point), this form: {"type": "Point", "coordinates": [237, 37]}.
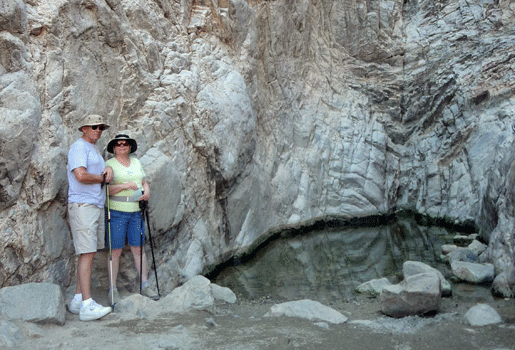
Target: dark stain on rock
{"type": "Point", "coordinates": [482, 97]}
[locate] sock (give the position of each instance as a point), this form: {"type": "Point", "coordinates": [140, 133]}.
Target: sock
{"type": "Point", "coordinates": [87, 302]}
{"type": "Point", "coordinates": [112, 288]}
{"type": "Point", "coordinates": [144, 284]}
{"type": "Point", "coordinates": [78, 297]}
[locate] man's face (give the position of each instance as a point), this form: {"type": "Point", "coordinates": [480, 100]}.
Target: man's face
{"type": "Point", "coordinates": [92, 133]}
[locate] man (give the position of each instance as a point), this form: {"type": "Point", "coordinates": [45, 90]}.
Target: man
{"type": "Point", "coordinates": [86, 197]}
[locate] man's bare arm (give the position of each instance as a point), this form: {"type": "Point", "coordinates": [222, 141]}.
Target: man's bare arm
{"type": "Point", "coordinates": [83, 176]}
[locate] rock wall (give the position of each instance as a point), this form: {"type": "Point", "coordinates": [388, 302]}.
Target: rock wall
{"type": "Point", "coordinates": [254, 115]}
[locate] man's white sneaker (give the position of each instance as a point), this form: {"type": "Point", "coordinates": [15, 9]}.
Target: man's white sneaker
{"type": "Point", "coordinates": [74, 306]}
{"type": "Point", "coordinates": [90, 310]}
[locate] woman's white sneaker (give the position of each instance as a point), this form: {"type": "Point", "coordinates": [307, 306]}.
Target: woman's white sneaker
{"type": "Point", "coordinates": [74, 306]}
{"type": "Point", "coordinates": [90, 310]}
{"type": "Point", "coordinates": [149, 293]}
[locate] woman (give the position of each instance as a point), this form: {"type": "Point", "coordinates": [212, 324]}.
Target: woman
{"type": "Point", "coordinates": [125, 192]}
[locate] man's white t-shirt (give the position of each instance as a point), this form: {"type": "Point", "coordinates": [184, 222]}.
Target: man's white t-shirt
{"type": "Point", "coordinates": [87, 155]}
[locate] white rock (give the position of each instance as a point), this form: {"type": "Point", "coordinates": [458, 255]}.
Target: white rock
{"type": "Point", "coordinates": [136, 306]}
{"type": "Point", "coordinates": [410, 268]}
{"type": "Point", "coordinates": [307, 309]}
{"type": "Point", "coordinates": [34, 302]}
{"type": "Point", "coordinates": [463, 254]}
{"type": "Point", "coordinates": [448, 248]}
{"type": "Point", "coordinates": [223, 293]}
{"type": "Point", "coordinates": [195, 294]}
{"type": "Point", "coordinates": [482, 315]}
{"type": "Point", "coordinates": [473, 272]}
{"type": "Point", "coordinates": [477, 247]}
{"type": "Point", "coordinates": [322, 325]}
{"type": "Point", "coordinates": [417, 294]}
{"type": "Point", "coordinates": [373, 287]}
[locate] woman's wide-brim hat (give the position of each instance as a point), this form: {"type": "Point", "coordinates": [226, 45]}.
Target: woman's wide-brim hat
{"type": "Point", "coordinates": [122, 137]}
{"type": "Point", "coordinates": [93, 119]}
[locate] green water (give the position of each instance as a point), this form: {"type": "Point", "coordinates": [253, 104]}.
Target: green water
{"type": "Point", "coordinates": [327, 264]}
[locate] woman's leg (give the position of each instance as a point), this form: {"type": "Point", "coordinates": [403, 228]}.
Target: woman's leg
{"type": "Point", "coordinates": [143, 268]}
{"type": "Point", "coordinates": [135, 235]}
{"type": "Point", "coordinates": [118, 232]}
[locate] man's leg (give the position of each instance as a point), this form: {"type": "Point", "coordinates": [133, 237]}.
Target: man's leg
{"type": "Point", "coordinates": [77, 288]}
{"type": "Point", "coordinates": [84, 267]}
{"type": "Point", "coordinates": [86, 222]}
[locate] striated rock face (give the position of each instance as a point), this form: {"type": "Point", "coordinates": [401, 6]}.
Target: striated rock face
{"type": "Point", "coordinates": [257, 115]}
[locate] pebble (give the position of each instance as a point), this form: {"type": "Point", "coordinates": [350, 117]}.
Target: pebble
{"type": "Point", "coordinates": [322, 325]}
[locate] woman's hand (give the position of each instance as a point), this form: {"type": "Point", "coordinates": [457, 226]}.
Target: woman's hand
{"type": "Point", "coordinates": [146, 191]}
{"type": "Point", "coordinates": [131, 186]}
{"type": "Point", "coordinates": [144, 197]}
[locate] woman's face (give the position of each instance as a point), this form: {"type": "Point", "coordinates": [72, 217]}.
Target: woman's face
{"type": "Point", "coordinates": [122, 148]}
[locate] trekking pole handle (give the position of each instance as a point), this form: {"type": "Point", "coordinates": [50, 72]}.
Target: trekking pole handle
{"type": "Point", "coordinates": [143, 204]}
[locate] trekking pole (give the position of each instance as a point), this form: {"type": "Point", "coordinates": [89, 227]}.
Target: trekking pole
{"type": "Point", "coordinates": [152, 250]}
{"type": "Point", "coordinates": [110, 250]}
{"type": "Point", "coordinates": [141, 205]}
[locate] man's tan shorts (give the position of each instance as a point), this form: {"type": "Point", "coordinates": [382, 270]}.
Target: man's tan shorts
{"type": "Point", "coordinates": [88, 227]}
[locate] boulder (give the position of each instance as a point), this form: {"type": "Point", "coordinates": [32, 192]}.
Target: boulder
{"type": "Point", "coordinates": [34, 302]}
{"type": "Point", "coordinates": [410, 268]}
{"type": "Point", "coordinates": [463, 254]}
{"type": "Point", "coordinates": [307, 309]}
{"type": "Point", "coordinates": [477, 247]}
{"type": "Point", "coordinates": [482, 315]}
{"type": "Point", "coordinates": [136, 306]}
{"type": "Point", "coordinates": [223, 293]}
{"type": "Point", "coordinates": [373, 287]}
{"type": "Point", "coordinates": [195, 294]}
{"type": "Point", "coordinates": [448, 248]}
{"type": "Point", "coordinates": [504, 283]}
{"type": "Point", "coordinates": [473, 272]}
{"type": "Point", "coordinates": [416, 295]}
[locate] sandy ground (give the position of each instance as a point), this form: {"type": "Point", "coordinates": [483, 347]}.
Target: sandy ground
{"type": "Point", "coordinates": [243, 325]}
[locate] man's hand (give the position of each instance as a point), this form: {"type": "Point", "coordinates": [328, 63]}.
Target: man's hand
{"type": "Point", "coordinates": [108, 172]}
{"type": "Point", "coordinates": [86, 178]}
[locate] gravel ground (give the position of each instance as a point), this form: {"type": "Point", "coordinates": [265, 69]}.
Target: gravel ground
{"type": "Point", "coordinates": [243, 325]}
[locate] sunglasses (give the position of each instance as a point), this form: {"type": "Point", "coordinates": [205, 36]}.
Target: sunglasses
{"type": "Point", "coordinates": [123, 143]}
{"type": "Point", "coordinates": [101, 127]}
